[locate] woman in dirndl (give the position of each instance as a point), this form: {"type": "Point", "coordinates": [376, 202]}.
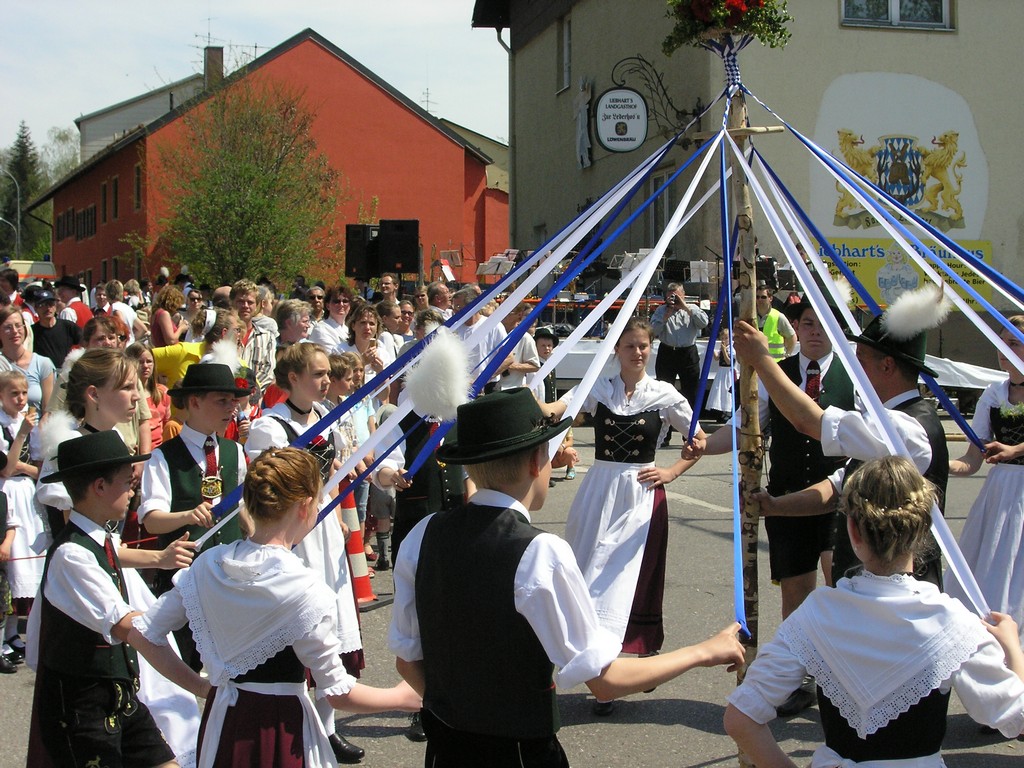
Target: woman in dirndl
{"type": "Point", "coordinates": [884, 648]}
{"type": "Point", "coordinates": [261, 618]}
{"type": "Point", "coordinates": [618, 522]}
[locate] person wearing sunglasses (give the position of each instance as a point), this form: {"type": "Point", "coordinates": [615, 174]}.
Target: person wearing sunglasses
{"type": "Point", "coordinates": [332, 332]}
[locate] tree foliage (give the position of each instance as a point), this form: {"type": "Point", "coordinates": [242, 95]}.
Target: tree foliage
{"type": "Point", "coordinates": [21, 160]}
{"type": "Point", "coordinates": [247, 191]}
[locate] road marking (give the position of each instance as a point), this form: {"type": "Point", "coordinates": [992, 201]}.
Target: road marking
{"type": "Point", "coordinates": [698, 502]}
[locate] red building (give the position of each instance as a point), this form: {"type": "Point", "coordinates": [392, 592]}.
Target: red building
{"type": "Point", "coordinates": [386, 146]}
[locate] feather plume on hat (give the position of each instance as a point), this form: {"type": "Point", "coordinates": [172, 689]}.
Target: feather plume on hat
{"type": "Point", "coordinates": [439, 381]}
{"type": "Point", "coordinates": [915, 312]}
{"type": "Point", "coordinates": [844, 289]}
{"type": "Point", "coordinates": [224, 352]}
{"type": "Point", "coordinates": [69, 361]}
{"type": "Point", "coordinates": [57, 427]}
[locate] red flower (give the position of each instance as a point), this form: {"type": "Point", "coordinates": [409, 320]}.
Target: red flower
{"type": "Point", "coordinates": [241, 382]}
{"type": "Point", "coordinates": [736, 10]}
{"type": "Point", "coordinates": [701, 9]}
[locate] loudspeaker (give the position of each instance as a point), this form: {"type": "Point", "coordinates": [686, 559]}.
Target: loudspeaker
{"type": "Point", "coordinates": [399, 245]}
{"type": "Point", "coordinates": [361, 252]}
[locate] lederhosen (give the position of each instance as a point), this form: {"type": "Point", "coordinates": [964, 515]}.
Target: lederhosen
{"type": "Point", "coordinates": [435, 487]}
{"type": "Point", "coordinates": [189, 489]}
{"type": "Point", "coordinates": [86, 689]}
{"type": "Point", "coordinates": [477, 711]}
{"type": "Point", "coordinates": [797, 462]}
{"type": "Point", "coordinates": [929, 566]}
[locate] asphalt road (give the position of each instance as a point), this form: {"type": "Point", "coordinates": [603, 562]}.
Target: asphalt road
{"type": "Point", "coordinates": [680, 724]}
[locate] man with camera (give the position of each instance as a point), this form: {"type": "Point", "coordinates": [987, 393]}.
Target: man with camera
{"type": "Point", "coordinates": [677, 325]}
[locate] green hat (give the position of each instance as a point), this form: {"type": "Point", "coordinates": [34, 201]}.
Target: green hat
{"type": "Point", "coordinates": [911, 351]}
{"type": "Point", "coordinates": [91, 454]}
{"type": "Point", "coordinates": [499, 424]}
{"type": "Point", "coordinates": [209, 377]}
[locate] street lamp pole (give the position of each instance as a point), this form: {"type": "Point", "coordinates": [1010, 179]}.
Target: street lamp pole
{"type": "Point", "coordinates": [17, 229]}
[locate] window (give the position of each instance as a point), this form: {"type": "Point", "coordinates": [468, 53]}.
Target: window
{"type": "Point", "coordinates": [138, 267]}
{"type": "Point", "coordinates": [927, 14]}
{"type": "Point", "coordinates": [103, 203]}
{"type": "Point", "coordinates": [113, 200]}
{"type": "Point", "coordinates": [115, 261]}
{"type": "Point", "coordinates": [137, 191]}
{"type": "Point", "coordinates": [85, 223]}
{"type": "Point", "coordinates": [564, 74]}
{"type": "Point", "coordinates": [103, 271]}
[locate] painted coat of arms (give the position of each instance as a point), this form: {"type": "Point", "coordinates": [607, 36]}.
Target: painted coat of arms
{"type": "Point", "coordinates": [926, 180]}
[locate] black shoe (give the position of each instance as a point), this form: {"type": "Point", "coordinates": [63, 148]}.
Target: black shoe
{"type": "Point", "coordinates": [344, 751]}
{"type": "Point", "coordinates": [415, 730]}
{"type": "Point", "coordinates": [7, 666]}
{"type": "Point", "coordinates": [603, 708]}
{"type": "Point", "coordinates": [382, 564]}
{"type": "Point", "coordinates": [798, 701]}
{"type": "Point", "coordinates": [15, 656]}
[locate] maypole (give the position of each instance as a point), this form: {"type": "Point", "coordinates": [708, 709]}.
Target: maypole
{"type": "Point", "coordinates": [725, 27]}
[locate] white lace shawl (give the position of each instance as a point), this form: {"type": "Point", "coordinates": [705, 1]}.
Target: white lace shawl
{"type": "Point", "coordinates": [878, 645]}
{"type": "Point", "coordinates": [246, 602]}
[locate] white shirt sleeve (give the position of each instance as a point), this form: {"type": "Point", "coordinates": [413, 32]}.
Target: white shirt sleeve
{"type": "Point", "coordinates": [552, 596]}
{"type": "Point", "coordinates": [982, 422]}
{"type": "Point", "coordinates": [77, 586]}
{"type": "Point", "coordinates": [774, 675]}
{"type": "Point", "coordinates": [851, 434]}
{"type": "Point", "coordinates": [264, 433]}
{"type": "Point", "coordinates": [679, 416]}
{"type": "Point", "coordinates": [163, 617]}
{"type": "Point", "coordinates": [320, 653]}
{"type": "Point", "coordinates": [404, 633]}
{"type": "Point", "coordinates": [156, 485]}
{"type": "Point", "coordinates": [991, 693]}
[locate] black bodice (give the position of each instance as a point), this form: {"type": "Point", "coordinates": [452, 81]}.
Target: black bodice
{"type": "Point", "coordinates": [916, 733]}
{"type": "Point", "coordinates": [1008, 430]}
{"type": "Point", "coordinates": [282, 667]}
{"type": "Point", "coordinates": [626, 439]}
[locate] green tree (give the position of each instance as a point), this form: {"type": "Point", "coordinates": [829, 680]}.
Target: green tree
{"type": "Point", "coordinates": [60, 154]}
{"type": "Point", "coordinates": [21, 160]}
{"type": "Point", "coordinates": [247, 191]}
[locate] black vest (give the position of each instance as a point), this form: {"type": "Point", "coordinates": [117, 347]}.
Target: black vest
{"type": "Point", "coordinates": [929, 568]}
{"type": "Point", "coordinates": [70, 648]}
{"type": "Point", "coordinates": [486, 671]}
{"type": "Point", "coordinates": [626, 439]}
{"type": "Point", "coordinates": [796, 459]}
{"type": "Point", "coordinates": [186, 491]}
{"type": "Point", "coordinates": [435, 486]}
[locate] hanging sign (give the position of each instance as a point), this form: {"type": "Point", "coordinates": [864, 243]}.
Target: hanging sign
{"type": "Point", "coordinates": [620, 119]}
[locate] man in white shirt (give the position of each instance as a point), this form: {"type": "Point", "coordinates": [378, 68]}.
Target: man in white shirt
{"type": "Point", "coordinates": [527, 360]}
{"type": "Point", "coordinates": [114, 291]}
{"type": "Point", "coordinates": [481, 349]}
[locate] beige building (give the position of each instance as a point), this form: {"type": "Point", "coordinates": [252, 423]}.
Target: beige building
{"type": "Point", "coordinates": [916, 98]}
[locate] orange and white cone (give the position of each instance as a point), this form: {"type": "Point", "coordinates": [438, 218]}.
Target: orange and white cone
{"type": "Point", "coordinates": [358, 566]}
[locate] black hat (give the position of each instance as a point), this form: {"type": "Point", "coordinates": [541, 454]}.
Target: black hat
{"type": "Point", "coordinates": [208, 377]}
{"type": "Point", "coordinates": [67, 281]}
{"type": "Point", "coordinates": [499, 424]}
{"type": "Point", "coordinates": [910, 350]}
{"type": "Point", "coordinates": [42, 296]}
{"type": "Point", "coordinates": [546, 332]}
{"type": "Point", "coordinates": [91, 454]}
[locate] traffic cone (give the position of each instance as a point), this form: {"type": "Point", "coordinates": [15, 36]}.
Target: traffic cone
{"type": "Point", "coordinates": [356, 552]}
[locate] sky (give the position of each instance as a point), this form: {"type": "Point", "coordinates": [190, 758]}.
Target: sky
{"type": "Point", "coordinates": [60, 59]}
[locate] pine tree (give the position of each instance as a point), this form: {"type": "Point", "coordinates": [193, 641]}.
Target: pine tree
{"type": "Point", "coordinates": [23, 164]}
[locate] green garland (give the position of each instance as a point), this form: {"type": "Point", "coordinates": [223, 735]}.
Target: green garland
{"type": "Point", "coordinates": [697, 20]}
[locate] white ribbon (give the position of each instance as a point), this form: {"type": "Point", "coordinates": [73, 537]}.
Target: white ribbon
{"type": "Point", "coordinates": [893, 440]}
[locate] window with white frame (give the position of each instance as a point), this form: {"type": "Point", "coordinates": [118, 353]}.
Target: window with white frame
{"type": "Point", "coordinates": [564, 74]}
{"type": "Point", "coordinates": [662, 209]}
{"type": "Point", "coordinates": [925, 14]}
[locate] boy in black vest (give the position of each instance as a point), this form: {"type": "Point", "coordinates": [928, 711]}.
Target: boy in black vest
{"type": "Point", "coordinates": [797, 544]}
{"type": "Point", "coordinates": [85, 710]}
{"type": "Point", "coordinates": [488, 694]}
{"type": "Point", "coordinates": [188, 474]}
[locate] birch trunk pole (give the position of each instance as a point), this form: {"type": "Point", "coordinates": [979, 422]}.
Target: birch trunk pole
{"type": "Point", "coordinates": [751, 449]}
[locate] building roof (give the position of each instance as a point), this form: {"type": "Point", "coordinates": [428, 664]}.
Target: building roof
{"type": "Point", "coordinates": [279, 50]}
{"type": "Point", "coordinates": [488, 14]}
{"type": "Point", "coordinates": [191, 79]}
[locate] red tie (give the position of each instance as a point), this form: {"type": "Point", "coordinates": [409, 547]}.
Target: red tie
{"type": "Point", "coordinates": [210, 454]}
{"type": "Point", "coordinates": [813, 386]}
{"type": "Point", "coordinates": [108, 548]}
